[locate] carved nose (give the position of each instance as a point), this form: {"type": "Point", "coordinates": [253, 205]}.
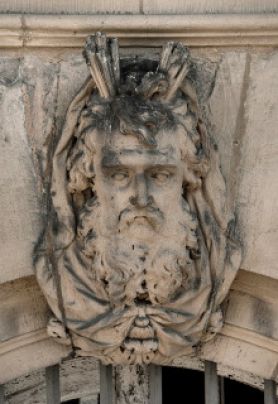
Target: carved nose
{"type": "Point", "coordinates": [141, 198]}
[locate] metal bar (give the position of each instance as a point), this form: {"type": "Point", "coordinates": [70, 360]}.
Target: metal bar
{"type": "Point", "coordinates": [212, 395]}
{"type": "Point", "coordinates": [222, 389]}
{"type": "Point", "coordinates": [2, 397]}
{"type": "Point", "coordinates": [106, 384]}
{"type": "Point", "coordinates": [52, 384]}
{"type": "Point", "coordinates": [270, 392]}
{"type": "Point", "coordinates": [155, 384]}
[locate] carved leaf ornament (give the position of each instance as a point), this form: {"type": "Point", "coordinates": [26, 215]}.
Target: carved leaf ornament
{"type": "Point", "coordinates": [140, 253]}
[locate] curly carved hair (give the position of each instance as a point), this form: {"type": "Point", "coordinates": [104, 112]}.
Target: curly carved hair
{"type": "Point", "coordinates": [138, 97]}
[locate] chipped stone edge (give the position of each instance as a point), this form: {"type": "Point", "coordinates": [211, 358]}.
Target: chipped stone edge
{"type": "Point", "coordinates": [70, 31]}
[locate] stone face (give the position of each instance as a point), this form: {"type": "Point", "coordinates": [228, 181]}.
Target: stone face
{"type": "Point", "coordinates": [239, 95]}
{"type": "Point", "coordinates": [140, 232]}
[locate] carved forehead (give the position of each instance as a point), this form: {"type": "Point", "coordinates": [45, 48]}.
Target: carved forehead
{"type": "Point", "coordinates": [126, 150]}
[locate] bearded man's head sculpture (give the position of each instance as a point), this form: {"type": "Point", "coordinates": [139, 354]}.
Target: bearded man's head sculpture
{"type": "Point", "coordinates": [142, 256]}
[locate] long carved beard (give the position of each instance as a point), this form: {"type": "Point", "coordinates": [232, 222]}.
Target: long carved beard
{"type": "Point", "coordinates": [141, 288]}
{"type": "Point", "coordinates": [134, 270]}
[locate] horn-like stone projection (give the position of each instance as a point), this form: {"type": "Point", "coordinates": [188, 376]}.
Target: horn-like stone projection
{"type": "Point", "coordinates": [141, 251]}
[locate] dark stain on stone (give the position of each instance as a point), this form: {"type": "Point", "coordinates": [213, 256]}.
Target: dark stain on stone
{"type": "Point", "coordinates": [110, 157]}
{"type": "Point", "coordinates": [10, 321]}
{"type": "Point", "coordinates": [194, 254]}
{"type": "Point", "coordinates": [55, 223]}
{"type": "Point", "coordinates": [262, 317]}
{"type": "Point", "coordinates": [9, 71]}
{"type": "Point", "coordinates": [40, 248]}
{"type": "Point", "coordinates": [196, 283]}
{"type": "Point", "coordinates": [131, 390]}
{"type": "Point", "coordinates": [215, 232]}
{"type": "Point", "coordinates": [207, 218]}
{"type": "Point", "coordinates": [210, 221]}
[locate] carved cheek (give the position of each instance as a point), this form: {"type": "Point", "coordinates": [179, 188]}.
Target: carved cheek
{"type": "Point", "coordinates": [115, 197]}
{"type": "Point", "coordinates": [167, 195]}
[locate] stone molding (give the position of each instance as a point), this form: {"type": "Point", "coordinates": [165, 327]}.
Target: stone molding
{"type": "Point", "coordinates": [251, 337]}
{"type": "Point", "coordinates": [38, 32]}
{"type": "Point", "coordinates": [229, 330]}
{"type": "Point", "coordinates": [256, 351]}
{"type": "Point", "coordinates": [70, 31]}
{"type": "Point", "coordinates": [17, 349]}
{"type": "Point", "coordinates": [23, 340]}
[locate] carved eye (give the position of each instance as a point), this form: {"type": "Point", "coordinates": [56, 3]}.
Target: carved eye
{"type": "Point", "coordinates": [160, 176]}
{"type": "Point", "coordinates": [120, 176]}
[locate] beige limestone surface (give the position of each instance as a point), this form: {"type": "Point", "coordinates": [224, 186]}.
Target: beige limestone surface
{"type": "Point", "coordinates": [258, 171]}
{"type": "Point", "coordinates": [140, 30]}
{"type": "Point", "coordinates": [240, 105]}
{"type": "Point", "coordinates": [136, 6]}
{"type": "Point", "coordinates": [142, 234]}
{"type": "Point", "coordinates": [243, 106]}
{"type": "Point", "coordinates": [241, 113]}
{"type": "Point", "coordinates": [19, 196]}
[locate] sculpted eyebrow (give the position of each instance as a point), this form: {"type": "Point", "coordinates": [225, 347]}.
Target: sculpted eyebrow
{"type": "Point", "coordinates": [114, 166]}
{"type": "Point", "coordinates": [163, 166]}
{"type": "Point", "coordinates": [150, 152]}
{"type": "Point", "coordinates": [126, 158]}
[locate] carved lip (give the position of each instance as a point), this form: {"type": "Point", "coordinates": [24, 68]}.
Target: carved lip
{"type": "Point", "coordinates": [141, 332]}
{"type": "Point", "coordinates": [141, 345]}
{"type": "Point", "coordinates": [141, 220]}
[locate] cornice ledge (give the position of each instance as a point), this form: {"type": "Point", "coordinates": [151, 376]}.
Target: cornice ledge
{"type": "Point", "coordinates": [17, 346]}
{"type": "Point", "coordinates": [250, 337]}
{"type": "Point", "coordinates": [23, 340]}
{"type": "Point", "coordinates": [69, 31]}
{"type": "Point", "coordinates": [28, 352]}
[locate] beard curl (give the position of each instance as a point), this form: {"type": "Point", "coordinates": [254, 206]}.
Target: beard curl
{"type": "Point", "coordinates": [132, 272]}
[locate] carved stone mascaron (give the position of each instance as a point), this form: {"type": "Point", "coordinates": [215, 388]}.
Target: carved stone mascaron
{"type": "Point", "coordinates": [139, 255]}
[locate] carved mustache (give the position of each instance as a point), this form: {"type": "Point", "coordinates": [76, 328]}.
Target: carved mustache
{"type": "Point", "coordinates": [151, 214]}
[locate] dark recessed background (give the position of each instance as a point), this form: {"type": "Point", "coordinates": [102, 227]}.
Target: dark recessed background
{"type": "Point", "coordinates": [180, 386]}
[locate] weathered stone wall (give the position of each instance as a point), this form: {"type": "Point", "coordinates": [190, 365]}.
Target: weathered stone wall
{"type": "Point", "coordinates": [79, 380]}
{"type": "Point", "coordinates": [137, 6]}
{"type": "Point", "coordinates": [238, 87]}
{"type": "Point", "coordinates": [238, 90]}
